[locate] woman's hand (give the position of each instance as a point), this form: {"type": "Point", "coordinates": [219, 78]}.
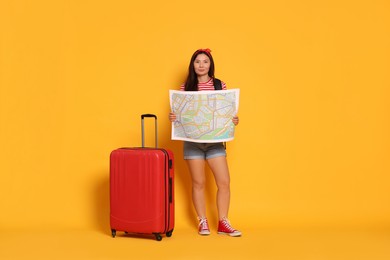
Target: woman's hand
{"type": "Point", "coordinates": [172, 117]}
{"type": "Point", "coordinates": [235, 120]}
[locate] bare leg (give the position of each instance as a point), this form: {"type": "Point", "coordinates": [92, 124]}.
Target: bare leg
{"type": "Point", "coordinates": [220, 170]}
{"type": "Point", "coordinates": [197, 171]}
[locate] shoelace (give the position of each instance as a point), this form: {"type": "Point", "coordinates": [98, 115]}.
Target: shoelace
{"type": "Point", "coordinates": [203, 223]}
{"type": "Point", "coordinates": [227, 225]}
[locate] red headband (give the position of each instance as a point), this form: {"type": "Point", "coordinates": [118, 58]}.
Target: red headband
{"type": "Point", "coordinates": [204, 50]}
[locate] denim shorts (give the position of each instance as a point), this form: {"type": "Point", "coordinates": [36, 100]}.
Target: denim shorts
{"type": "Point", "coordinates": [203, 150]}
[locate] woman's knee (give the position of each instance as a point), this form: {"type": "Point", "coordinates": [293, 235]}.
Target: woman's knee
{"type": "Point", "coordinates": [223, 185]}
{"type": "Point", "coordinates": [198, 184]}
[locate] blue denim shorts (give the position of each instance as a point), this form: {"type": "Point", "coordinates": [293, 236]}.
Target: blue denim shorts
{"type": "Point", "coordinates": [203, 150]}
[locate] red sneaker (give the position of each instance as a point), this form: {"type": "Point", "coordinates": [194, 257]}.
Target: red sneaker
{"type": "Point", "coordinates": [224, 227]}
{"type": "Point", "coordinates": [203, 227]}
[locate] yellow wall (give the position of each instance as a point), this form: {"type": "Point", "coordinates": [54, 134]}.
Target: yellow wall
{"type": "Point", "coordinates": [313, 144]}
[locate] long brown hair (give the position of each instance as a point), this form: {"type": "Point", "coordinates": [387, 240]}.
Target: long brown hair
{"type": "Point", "coordinates": [192, 79]}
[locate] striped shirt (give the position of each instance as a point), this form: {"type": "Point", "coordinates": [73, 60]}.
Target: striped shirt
{"type": "Point", "coordinates": [209, 85]}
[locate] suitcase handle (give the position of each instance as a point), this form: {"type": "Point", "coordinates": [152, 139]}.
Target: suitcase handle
{"type": "Point", "coordinates": [142, 127]}
{"type": "Point", "coordinates": [148, 115]}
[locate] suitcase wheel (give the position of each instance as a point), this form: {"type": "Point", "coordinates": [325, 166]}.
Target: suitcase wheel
{"type": "Point", "coordinates": [158, 236]}
{"type": "Point", "coordinates": [113, 232]}
{"type": "Point", "coordinates": [169, 233]}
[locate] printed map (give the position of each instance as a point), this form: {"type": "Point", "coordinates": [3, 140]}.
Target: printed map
{"type": "Point", "coordinates": [204, 116]}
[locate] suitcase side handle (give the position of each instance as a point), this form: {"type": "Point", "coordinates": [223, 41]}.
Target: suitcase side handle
{"type": "Point", "coordinates": [142, 128]}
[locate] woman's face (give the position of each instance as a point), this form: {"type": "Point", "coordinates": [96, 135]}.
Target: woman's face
{"type": "Point", "coordinates": [202, 65]}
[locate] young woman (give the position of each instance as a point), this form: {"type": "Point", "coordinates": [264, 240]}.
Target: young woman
{"type": "Point", "coordinates": [200, 78]}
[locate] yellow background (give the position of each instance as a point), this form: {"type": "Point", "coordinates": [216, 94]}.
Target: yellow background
{"type": "Point", "coordinates": [312, 147]}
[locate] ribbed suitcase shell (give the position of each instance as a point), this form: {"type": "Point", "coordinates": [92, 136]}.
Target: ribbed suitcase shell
{"type": "Point", "coordinates": [142, 191]}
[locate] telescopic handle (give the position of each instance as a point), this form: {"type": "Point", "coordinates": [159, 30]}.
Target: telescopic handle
{"type": "Point", "coordinates": [148, 115]}
{"type": "Point", "coordinates": [142, 127]}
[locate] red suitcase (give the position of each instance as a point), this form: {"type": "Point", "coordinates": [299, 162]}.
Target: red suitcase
{"type": "Point", "coordinates": [142, 189]}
